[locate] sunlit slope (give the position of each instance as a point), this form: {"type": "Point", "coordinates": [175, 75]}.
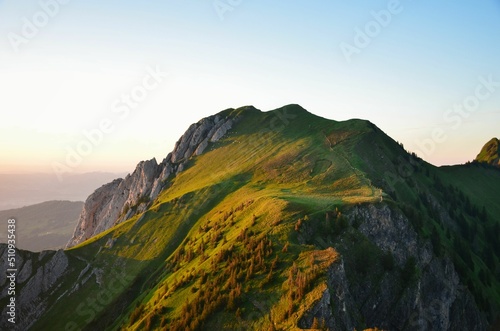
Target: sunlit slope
{"type": "Point", "coordinates": [249, 194]}
{"type": "Point", "coordinates": [300, 154]}
{"type": "Point", "coordinates": [490, 153]}
{"type": "Point", "coordinates": [223, 246]}
{"type": "Point", "coordinates": [280, 165]}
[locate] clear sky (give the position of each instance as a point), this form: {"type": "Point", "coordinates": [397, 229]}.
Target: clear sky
{"type": "Point", "coordinates": [426, 72]}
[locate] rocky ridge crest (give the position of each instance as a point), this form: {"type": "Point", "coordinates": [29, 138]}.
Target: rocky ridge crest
{"type": "Point", "coordinates": [119, 200]}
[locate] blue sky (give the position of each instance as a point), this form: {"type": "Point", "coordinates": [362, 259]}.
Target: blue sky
{"type": "Point", "coordinates": [64, 81]}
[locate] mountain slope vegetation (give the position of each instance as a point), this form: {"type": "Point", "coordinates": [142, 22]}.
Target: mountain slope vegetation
{"type": "Point", "coordinates": [292, 221]}
{"type": "Point", "coordinates": [490, 153]}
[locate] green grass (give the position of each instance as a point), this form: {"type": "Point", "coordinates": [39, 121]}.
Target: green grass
{"type": "Point", "coordinates": [262, 178]}
{"type": "Point", "coordinates": [272, 168]}
{"type": "Point", "coordinates": [490, 153]}
{"type": "Point", "coordinates": [480, 184]}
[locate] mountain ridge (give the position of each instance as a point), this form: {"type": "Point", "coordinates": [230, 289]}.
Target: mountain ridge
{"type": "Point", "coordinates": [120, 199]}
{"type": "Point", "coordinates": [289, 221]}
{"type": "Point", "coordinates": [193, 142]}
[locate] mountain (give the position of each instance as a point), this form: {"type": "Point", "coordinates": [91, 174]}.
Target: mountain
{"type": "Point", "coordinates": [490, 153]}
{"type": "Point", "coordinates": [47, 225]}
{"type": "Point", "coordinates": [285, 221]}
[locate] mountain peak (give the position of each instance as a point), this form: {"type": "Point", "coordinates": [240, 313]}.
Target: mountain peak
{"type": "Point", "coordinates": [490, 153]}
{"type": "Point", "coordinates": [290, 108]}
{"type": "Point", "coordinates": [294, 109]}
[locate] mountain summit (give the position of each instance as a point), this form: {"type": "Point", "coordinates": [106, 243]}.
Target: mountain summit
{"type": "Point", "coordinates": [490, 153]}
{"type": "Point", "coordinates": [277, 220]}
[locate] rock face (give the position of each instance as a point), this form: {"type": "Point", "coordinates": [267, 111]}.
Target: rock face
{"type": "Point", "coordinates": [38, 276]}
{"type": "Point", "coordinates": [434, 300]}
{"type": "Point", "coordinates": [122, 198]}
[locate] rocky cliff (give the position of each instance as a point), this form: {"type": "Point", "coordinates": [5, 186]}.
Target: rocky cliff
{"type": "Point", "coordinates": [122, 198]}
{"type": "Point", "coordinates": [433, 299]}
{"type": "Point", "coordinates": [38, 276]}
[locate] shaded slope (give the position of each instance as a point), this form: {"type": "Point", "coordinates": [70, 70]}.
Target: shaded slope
{"type": "Point", "coordinates": [455, 208]}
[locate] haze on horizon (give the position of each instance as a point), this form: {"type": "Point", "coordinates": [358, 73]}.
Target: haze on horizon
{"type": "Point", "coordinates": [128, 78]}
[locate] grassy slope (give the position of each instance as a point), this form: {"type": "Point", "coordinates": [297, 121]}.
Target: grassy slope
{"type": "Point", "coordinates": [262, 181]}
{"type": "Point", "coordinates": [479, 183]}
{"type": "Point", "coordinates": [254, 163]}
{"type": "Point", "coordinates": [257, 173]}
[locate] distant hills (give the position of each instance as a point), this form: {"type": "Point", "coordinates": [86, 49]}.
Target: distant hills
{"type": "Point", "coordinates": [19, 190]}
{"type": "Point", "coordinates": [47, 225]}
{"type": "Point", "coordinates": [490, 153]}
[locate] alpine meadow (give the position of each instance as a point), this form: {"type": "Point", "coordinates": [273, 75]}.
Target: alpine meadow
{"type": "Point", "coordinates": [277, 220]}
